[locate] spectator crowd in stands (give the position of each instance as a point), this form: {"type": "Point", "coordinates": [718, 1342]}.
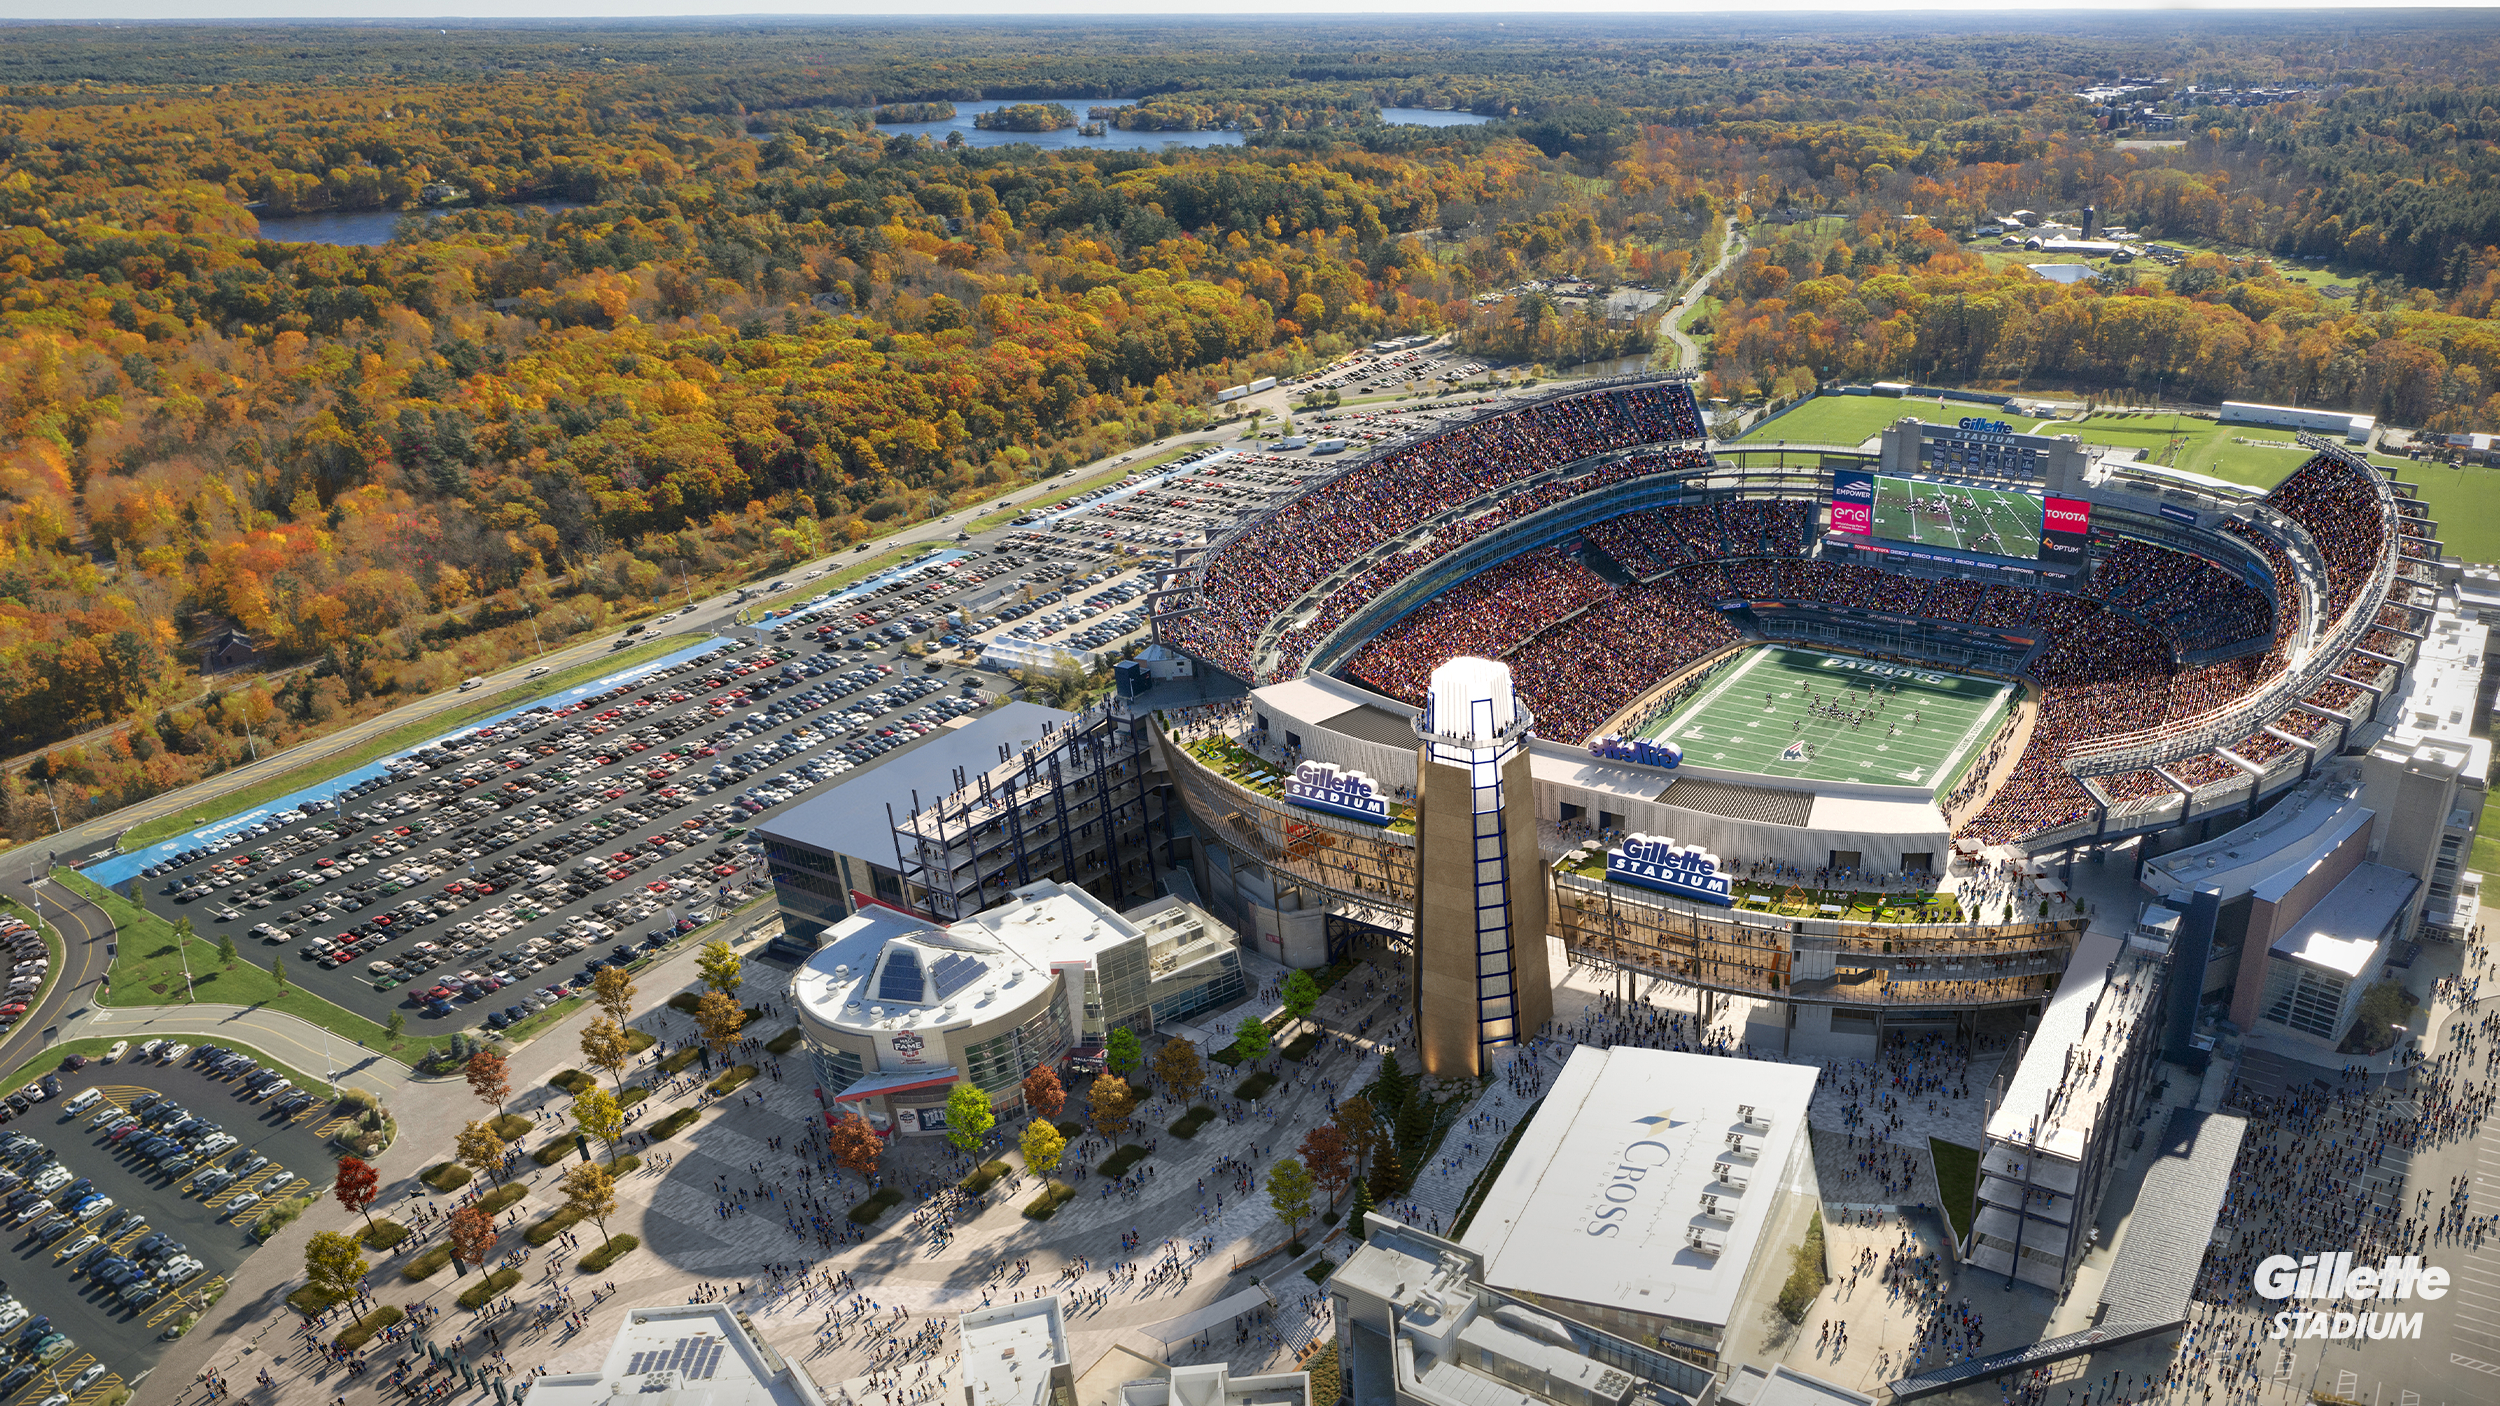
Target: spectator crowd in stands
{"type": "Point", "coordinates": [1581, 650]}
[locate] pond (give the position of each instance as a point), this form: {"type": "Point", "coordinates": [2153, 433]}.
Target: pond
{"type": "Point", "coordinates": [366, 227]}
{"type": "Point", "coordinates": [1430, 117]}
{"type": "Point", "coordinates": [1065, 138]}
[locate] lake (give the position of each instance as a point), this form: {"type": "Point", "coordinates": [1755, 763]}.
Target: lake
{"type": "Point", "coordinates": [366, 227]}
{"type": "Point", "coordinates": [1118, 140]}
{"type": "Point", "coordinates": [1430, 117]}
{"type": "Point", "coordinates": [1063, 139]}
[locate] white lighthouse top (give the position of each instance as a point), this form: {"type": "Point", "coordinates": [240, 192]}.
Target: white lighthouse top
{"type": "Point", "coordinates": [1471, 702]}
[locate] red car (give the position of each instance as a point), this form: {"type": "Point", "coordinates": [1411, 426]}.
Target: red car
{"type": "Point", "coordinates": [725, 870]}
{"type": "Point", "coordinates": [13, 1008]}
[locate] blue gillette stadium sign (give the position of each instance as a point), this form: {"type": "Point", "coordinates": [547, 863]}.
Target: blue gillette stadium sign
{"type": "Point", "coordinates": [1320, 786]}
{"type": "Point", "coordinates": [1664, 865]}
{"type": "Point", "coordinates": [1635, 749]}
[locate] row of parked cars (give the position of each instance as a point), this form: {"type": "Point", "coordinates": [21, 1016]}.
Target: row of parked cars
{"type": "Point", "coordinates": [22, 947]}
{"type": "Point", "coordinates": [34, 1344]}
{"type": "Point", "coordinates": [110, 1244]}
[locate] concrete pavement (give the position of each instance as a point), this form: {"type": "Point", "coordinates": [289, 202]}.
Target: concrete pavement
{"type": "Point", "coordinates": [297, 1041]}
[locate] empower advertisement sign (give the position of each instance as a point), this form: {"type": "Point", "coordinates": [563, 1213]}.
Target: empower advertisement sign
{"type": "Point", "coordinates": [1853, 501]}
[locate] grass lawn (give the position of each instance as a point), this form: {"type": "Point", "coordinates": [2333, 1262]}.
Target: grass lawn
{"type": "Point", "coordinates": [2207, 448]}
{"type": "Point", "coordinates": [2462, 500]}
{"type": "Point", "coordinates": [1957, 1180]}
{"type": "Point", "coordinates": [1848, 419]}
{"type": "Point", "coordinates": [873, 1205]}
{"type": "Point", "coordinates": [397, 739]}
{"type": "Point", "coordinates": [1707, 305]}
{"type": "Point", "coordinates": [148, 972]}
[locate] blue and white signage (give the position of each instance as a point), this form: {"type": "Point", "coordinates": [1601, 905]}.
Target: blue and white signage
{"type": "Point", "coordinates": [1972, 422]}
{"type": "Point", "coordinates": [1636, 749]}
{"type": "Point", "coordinates": [1685, 871]}
{"type": "Point", "coordinates": [1320, 786]}
{"type": "Point", "coordinates": [2178, 514]}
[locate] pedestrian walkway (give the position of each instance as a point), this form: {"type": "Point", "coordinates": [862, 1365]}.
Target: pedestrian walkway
{"type": "Point", "coordinates": [309, 1048]}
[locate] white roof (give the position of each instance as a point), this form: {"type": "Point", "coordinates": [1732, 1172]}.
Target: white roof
{"type": "Point", "coordinates": [1010, 1349]}
{"type": "Point", "coordinates": [2086, 1006]}
{"type": "Point", "coordinates": [2341, 934]}
{"type": "Point", "coordinates": [1471, 698]}
{"type": "Point", "coordinates": [882, 968]}
{"type": "Point", "coordinates": [682, 1355]}
{"type": "Point", "coordinates": [1545, 1228]}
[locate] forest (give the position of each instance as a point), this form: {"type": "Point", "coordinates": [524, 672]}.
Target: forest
{"type": "Point", "coordinates": [673, 312]}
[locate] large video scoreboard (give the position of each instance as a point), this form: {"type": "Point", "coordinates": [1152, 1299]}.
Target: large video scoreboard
{"type": "Point", "coordinates": [1953, 519]}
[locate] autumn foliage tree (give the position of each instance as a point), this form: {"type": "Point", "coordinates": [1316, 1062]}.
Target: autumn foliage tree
{"type": "Point", "coordinates": [473, 1234]}
{"type": "Point", "coordinates": [1043, 1094]}
{"type": "Point", "coordinates": [855, 1145]}
{"type": "Point", "coordinates": [1323, 1152]}
{"type": "Point", "coordinates": [489, 1077]}
{"type": "Point", "coordinates": [356, 1186]}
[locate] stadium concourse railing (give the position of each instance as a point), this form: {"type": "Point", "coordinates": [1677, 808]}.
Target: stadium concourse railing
{"type": "Point", "coordinates": [1370, 872]}
{"type": "Point", "coordinates": [2219, 727]}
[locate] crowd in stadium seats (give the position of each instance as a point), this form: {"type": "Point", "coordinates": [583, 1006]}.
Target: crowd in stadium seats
{"type": "Point", "coordinates": [1660, 539]}
{"type": "Point", "coordinates": [2333, 499]}
{"type": "Point", "coordinates": [1582, 650]}
{"type": "Point", "coordinates": [1577, 674]}
{"type": "Point", "coordinates": [2199, 603]}
{"type": "Point", "coordinates": [1276, 561]}
{"type": "Point", "coordinates": [1484, 615]}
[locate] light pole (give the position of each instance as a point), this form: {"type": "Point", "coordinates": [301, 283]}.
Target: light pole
{"type": "Point", "coordinates": [534, 642]}
{"type": "Point", "coordinates": [56, 805]}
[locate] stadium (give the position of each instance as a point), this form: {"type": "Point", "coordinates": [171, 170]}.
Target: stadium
{"type": "Point", "coordinates": [1841, 671]}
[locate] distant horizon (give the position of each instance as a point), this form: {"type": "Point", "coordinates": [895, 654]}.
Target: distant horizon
{"type": "Point", "coordinates": [531, 12]}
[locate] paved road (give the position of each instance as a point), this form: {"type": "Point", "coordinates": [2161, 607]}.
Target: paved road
{"type": "Point", "coordinates": [1687, 351]}
{"type": "Point", "coordinates": [86, 940]}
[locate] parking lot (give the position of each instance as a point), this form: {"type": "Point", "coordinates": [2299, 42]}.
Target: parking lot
{"type": "Point", "coordinates": [477, 880]}
{"type": "Point", "coordinates": [112, 1274]}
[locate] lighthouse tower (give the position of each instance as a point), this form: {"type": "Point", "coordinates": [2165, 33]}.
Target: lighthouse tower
{"type": "Point", "coordinates": [1480, 977]}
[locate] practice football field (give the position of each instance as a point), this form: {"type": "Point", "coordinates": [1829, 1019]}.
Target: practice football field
{"type": "Point", "coordinates": [1957, 518]}
{"type": "Point", "coordinates": [1789, 712]}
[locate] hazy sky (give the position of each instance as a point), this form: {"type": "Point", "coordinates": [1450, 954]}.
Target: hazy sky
{"type": "Point", "coordinates": [107, 11]}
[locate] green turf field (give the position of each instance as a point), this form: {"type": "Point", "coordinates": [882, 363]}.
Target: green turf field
{"type": "Point", "coordinates": [1847, 419]}
{"type": "Point", "coordinates": [1788, 712]}
{"type": "Point", "coordinates": [2204, 447]}
{"type": "Point", "coordinates": [1957, 518]}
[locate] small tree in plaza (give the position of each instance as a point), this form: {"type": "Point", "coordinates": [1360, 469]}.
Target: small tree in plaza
{"type": "Point", "coordinates": [1289, 1191]}
{"type": "Point", "coordinates": [969, 1116]}
{"type": "Point", "coordinates": [1177, 1064]}
{"type": "Point", "coordinates": [1113, 1101]}
{"type": "Point", "coordinates": [1042, 1147]}
{"type": "Point", "coordinates": [1250, 1038]}
{"type": "Point", "coordinates": [1044, 1096]}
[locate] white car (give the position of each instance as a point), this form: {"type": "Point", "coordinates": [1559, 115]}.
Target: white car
{"type": "Point", "coordinates": [467, 684]}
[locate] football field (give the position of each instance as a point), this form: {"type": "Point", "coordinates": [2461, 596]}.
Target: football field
{"type": "Point", "coordinates": [1835, 717]}
{"type": "Point", "coordinates": [1957, 518]}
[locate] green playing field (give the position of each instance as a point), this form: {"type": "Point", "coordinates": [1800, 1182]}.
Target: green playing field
{"type": "Point", "coordinates": [1835, 717]}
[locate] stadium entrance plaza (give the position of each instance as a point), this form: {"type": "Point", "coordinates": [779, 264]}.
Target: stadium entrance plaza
{"type": "Point", "coordinates": [915, 1280]}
